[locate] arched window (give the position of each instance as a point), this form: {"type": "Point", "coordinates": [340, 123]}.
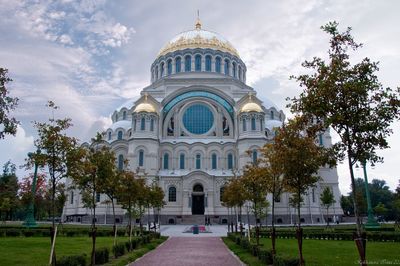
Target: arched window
{"type": "Point", "coordinates": [182, 161]}
{"type": "Point", "coordinates": [162, 70]}
{"type": "Point", "coordinates": [169, 67]}
{"type": "Point", "coordinates": [166, 161]}
{"type": "Point", "coordinates": [218, 64]}
{"type": "Point", "coordinates": [142, 123]}
{"type": "Point", "coordinates": [156, 72]}
{"type": "Point", "coordinates": [134, 124]}
{"type": "Point", "coordinates": [313, 195]}
{"type": "Point", "coordinates": [214, 161]}
{"type": "Point", "coordinates": [109, 135]}
{"type": "Point", "coordinates": [197, 63]}
{"type": "Point", "coordinates": [172, 194]}
{"type": "Point", "coordinates": [254, 156]}
{"type": "Point", "coordinates": [208, 63]}
{"type": "Point", "coordinates": [116, 117]}
{"type": "Point", "coordinates": [141, 158]}
{"type": "Point", "coordinates": [230, 161]}
{"type": "Point", "coordinates": [178, 65]}
{"type": "Point", "coordinates": [226, 67]}
{"type": "Point", "coordinates": [188, 63]}
{"type": "Point", "coordinates": [119, 135]}
{"type": "Point", "coordinates": [240, 72]}
{"type": "Point", "coordinates": [321, 140]}
{"type": "Point", "coordinates": [71, 199]}
{"type": "Point", "coordinates": [124, 115]}
{"type": "Point", "coordinates": [234, 69]}
{"type": "Point", "coordinates": [272, 115]}
{"type": "Point", "coordinates": [244, 121]}
{"type": "Point", "coordinates": [253, 123]}
{"type": "Point", "coordinates": [198, 161]}
{"type": "Point", "coordinates": [152, 124]}
{"type": "Point", "coordinates": [97, 197]}
{"type": "Point", "coordinates": [120, 162]}
{"type": "Point", "coordinates": [221, 193]}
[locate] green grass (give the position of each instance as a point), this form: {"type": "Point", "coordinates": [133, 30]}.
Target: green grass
{"type": "Point", "coordinates": [333, 252]}
{"type": "Point", "coordinates": [36, 250]}
{"type": "Point", "coordinates": [243, 254]}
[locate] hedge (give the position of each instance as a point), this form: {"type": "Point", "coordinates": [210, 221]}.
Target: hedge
{"type": "Point", "coordinates": [265, 256]}
{"type": "Point", "coordinates": [102, 255]}
{"type": "Point", "coordinates": [75, 260]}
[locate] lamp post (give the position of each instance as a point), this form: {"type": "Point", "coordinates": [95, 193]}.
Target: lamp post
{"type": "Point", "coordinates": [371, 222]}
{"type": "Point", "coordinates": [30, 217]}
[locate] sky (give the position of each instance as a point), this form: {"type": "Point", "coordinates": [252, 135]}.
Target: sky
{"type": "Point", "coordinates": [91, 56]}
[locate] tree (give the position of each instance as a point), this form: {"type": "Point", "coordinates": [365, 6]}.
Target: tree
{"type": "Point", "coordinates": [274, 183]}
{"type": "Point", "coordinates": [38, 196]}
{"type": "Point", "coordinates": [9, 187]}
{"type": "Point", "coordinates": [56, 152]}
{"type": "Point", "coordinates": [85, 167]}
{"type": "Point", "coordinates": [327, 200]}
{"type": "Point", "coordinates": [156, 200]}
{"type": "Point", "coordinates": [380, 209]}
{"type": "Point", "coordinates": [300, 158]}
{"type": "Point", "coordinates": [349, 99]}
{"type": "Point", "coordinates": [129, 189]}
{"type": "Point", "coordinates": [8, 125]}
{"type": "Point", "coordinates": [254, 186]}
{"type": "Point", "coordinates": [234, 196]}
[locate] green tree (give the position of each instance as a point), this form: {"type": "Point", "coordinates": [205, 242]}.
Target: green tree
{"type": "Point", "coordinates": [380, 209]}
{"type": "Point", "coordinates": [254, 185]}
{"type": "Point", "coordinates": [57, 148]}
{"type": "Point", "coordinates": [8, 125]}
{"type": "Point", "coordinates": [274, 181]}
{"type": "Point", "coordinates": [300, 158]}
{"type": "Point", "coordinates": [9, 186]}
{"type": "Point", "coordinates": [156, 200]}
{"type": "Point", "coordinates": [327, 200]}
{"type": "Point", "coordinates": [349, 99]}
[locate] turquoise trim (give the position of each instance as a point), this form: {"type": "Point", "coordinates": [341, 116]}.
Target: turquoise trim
{"type": "Point", "coordinates": [228, 107]}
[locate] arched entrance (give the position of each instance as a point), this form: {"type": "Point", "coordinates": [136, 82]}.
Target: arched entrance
{"type": "Point", "coordinates": [198, 200]}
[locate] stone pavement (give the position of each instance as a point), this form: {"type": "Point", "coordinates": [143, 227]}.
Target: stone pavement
{"type": "Point", "coordinates": [188, 251]}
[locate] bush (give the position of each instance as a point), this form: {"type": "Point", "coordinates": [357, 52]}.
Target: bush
{"type": "Point", "coordinates": [76, 260]}
{"type": "Point", "coordinates": [283, 261]}
{"type": "Point", "coordinates": [101, 255]}
{"type": "Point", "coordinates": [13, 232]}
{"type": "Point", "coordinates": [119, 249]}
{"type": "Point", "coordinates": [265, 256]}
{"type": "Point", "coordinates": [28, 233]}
{"type": "Point", "coordinates": [254, 249]}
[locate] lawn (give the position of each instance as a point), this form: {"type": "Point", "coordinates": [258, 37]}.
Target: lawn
{"type": "Point", "coordinates": [330, 252]}
{"type": "Point", "coordinates": [36, 250]}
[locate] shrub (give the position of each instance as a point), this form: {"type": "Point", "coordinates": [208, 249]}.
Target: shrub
{"type": "Point", "coordinates": [119, 249]}
{"type": "Point", "coordinates": [265, 256]}
{"type": "Point", "coordinates": [70, 233]}
{"type": "Point", "coordinates": [76, 260]}
{"type": "Point", "coordinates": [13, 232]}
{"type": "Point", "coordinates": [28, 233]}
{"type": "Point", "coordinates": [101, 255]}
{"type": "Point", "coordinates": [283, 261]}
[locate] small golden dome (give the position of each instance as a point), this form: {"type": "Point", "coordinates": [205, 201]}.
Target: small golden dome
{"type": "Point", "coordinates": [251, 107]}
{"type": "Point", "coordinates": [145, 107]}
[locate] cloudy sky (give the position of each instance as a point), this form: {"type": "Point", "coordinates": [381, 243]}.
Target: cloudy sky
{"type": "Point", "coordinates": [91, 56]}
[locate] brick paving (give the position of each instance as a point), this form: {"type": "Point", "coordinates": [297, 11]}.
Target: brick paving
{"type": "Point", "coordinates": [190, 251]}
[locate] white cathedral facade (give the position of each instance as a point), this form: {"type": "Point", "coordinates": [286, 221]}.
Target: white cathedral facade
{"type": "Point", "coordinates": [191, 131]}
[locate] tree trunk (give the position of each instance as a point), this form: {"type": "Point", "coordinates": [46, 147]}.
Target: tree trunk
{"type": "Point", "coordinates": [360, 242]}
{"type": "Point", "coordinates": [115, 224]}
{"type": "Point", "coordinates": [299, 231]}
{"type": "Point", "coordinates": [235, 220]}
{"type": "Point", "coordinates": [93, 258]}
{"type": "Point", "coordinates": [240, 221]}
{"type": "Point", "coordinates": [273, 251]}
{"type": "Point", "coordinates": [327, 216]}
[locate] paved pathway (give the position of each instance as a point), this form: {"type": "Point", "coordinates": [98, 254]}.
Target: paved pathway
{"type": "Point", "coordinates": [188, 251]}
{"type": "Point", "coordinates": [178, 230]}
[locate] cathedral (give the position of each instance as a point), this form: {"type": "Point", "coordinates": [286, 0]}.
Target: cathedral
{"type": "Point", "coordinates": [193, 128]}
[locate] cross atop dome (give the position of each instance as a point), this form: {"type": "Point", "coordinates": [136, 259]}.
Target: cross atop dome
{"type": "Point", "coordinates": [198, 22]}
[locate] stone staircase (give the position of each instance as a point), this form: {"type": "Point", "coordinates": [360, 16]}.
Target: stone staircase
{"type": "Point", "coordinates": [193, 219]}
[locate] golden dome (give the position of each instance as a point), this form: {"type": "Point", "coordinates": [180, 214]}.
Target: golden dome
{"type": "Point", "coordinates": [198, 38]}
{"type": "Point", "coordinates": [145, 107]}
{"type": "Point", "coordinates": [251, 107]}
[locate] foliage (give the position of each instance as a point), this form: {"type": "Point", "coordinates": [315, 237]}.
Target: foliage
{"type": "Point", "coordinates": [8, 191]}
{"type": "Point", "coordinates": [118, 250]}
{"type": "Point", "coordinates": [349, 99]}
{"type": "Point", "coordinates": [8, 125]}
{"type": "Point", "coordinates": [74, 260]}
{"type": "Point", "coordinates": [102, 255]}
{"type": "Point", "coordinates": [327, 200]}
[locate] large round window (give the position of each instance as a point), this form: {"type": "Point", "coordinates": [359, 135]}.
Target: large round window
{"type": "Point", "coordinates": [198, 119]}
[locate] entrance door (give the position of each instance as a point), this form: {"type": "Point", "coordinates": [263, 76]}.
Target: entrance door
{"type": "Point", "coordinates": [198, 204]}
